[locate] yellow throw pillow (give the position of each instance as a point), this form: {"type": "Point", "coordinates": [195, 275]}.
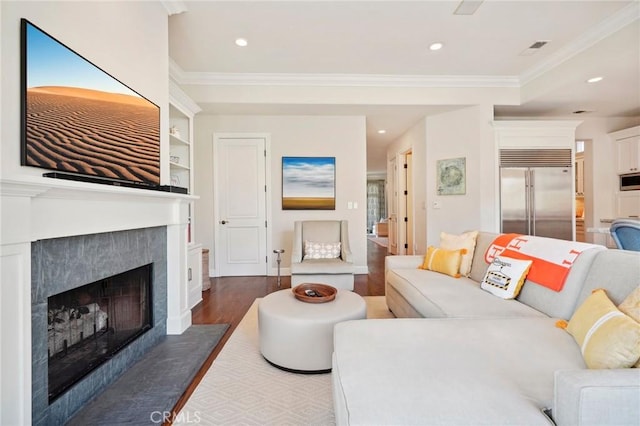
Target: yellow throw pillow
{"type": "Point", "coordinates": [607, 337]}
{"type": "Point", "coordinates": [443, 261]}
{"type": "Point", "coordinates": [505, 276]}
{"type": "Point", "coordinates": [631, 306]}
{"type": "Point", "coordinates": [466, 241]}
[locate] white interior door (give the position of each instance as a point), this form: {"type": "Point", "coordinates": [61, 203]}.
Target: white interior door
{"type": "Point", "coordinates": [241, 233]}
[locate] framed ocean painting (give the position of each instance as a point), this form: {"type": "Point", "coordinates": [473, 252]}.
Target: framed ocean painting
{"type": "Point", "coordinates": [308, 183]}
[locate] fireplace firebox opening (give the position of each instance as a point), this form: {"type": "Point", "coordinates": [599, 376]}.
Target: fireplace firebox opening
{"type": "Point", "coordinates": [88, 325]}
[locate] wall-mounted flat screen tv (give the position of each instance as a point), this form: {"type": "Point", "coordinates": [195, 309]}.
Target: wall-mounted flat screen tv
{"type": "Point", "coordinates": [78, 119]}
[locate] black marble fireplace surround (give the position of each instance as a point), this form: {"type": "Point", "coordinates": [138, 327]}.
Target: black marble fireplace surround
{"type": "Point", "coordinates": [61, 264]}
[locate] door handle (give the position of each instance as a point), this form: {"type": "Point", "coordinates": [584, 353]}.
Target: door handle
{"type": "Point", "coordinates": [224, 222]}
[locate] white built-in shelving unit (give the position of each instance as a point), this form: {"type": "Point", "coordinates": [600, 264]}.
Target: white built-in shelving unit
{"type": "Point", "coordinates": [182, 111]}
{"type": "Point", "coordinates": [181, 147]}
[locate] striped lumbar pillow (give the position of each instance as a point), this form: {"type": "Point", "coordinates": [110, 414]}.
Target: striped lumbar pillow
{"type": "Point", "coordinates": [443, 261]}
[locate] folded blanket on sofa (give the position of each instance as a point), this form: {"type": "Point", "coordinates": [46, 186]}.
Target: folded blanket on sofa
{"type": "Point", "coordinates": [551, 258]}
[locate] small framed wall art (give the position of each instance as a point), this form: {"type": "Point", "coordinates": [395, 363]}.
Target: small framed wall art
{"type": "Point", "coordinates": [451, 176]}
{"type": "Point", "coordinates": [308, 183]}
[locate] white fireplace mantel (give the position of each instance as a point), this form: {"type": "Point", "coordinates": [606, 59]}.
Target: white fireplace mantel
{"type": "Point", "coordinates": [33, 208]}
{"type": "Point", "coordinates": [37, 208]}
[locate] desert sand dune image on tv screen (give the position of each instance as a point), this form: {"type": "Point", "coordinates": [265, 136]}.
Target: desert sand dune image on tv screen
{"type": "Point", "coordinates": [93, 132]}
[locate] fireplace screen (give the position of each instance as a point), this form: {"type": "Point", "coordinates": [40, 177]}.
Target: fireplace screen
{"type": "Point", "coordinates": [89, 324]}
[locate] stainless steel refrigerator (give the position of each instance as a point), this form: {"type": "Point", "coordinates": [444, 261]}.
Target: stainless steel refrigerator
{"type": "Point", "coordinates": [536, 192]}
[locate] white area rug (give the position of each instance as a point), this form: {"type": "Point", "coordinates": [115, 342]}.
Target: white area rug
{"type": "Point", "coordinates": [241, 388]}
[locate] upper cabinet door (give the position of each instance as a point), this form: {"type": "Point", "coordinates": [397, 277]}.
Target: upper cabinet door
{"type": "Point", "coordinates": [628, 155]}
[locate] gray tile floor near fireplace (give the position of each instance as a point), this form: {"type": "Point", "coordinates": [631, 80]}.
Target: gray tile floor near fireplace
{"type": "Point", "coordinates": [154, 384]}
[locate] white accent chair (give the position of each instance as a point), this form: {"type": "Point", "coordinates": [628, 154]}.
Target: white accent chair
{"type": "Point", "coordinates": [336, 272]}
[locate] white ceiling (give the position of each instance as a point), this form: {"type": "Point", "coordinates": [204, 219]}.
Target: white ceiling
{"type": "Point", "coordinates": [356, 40]}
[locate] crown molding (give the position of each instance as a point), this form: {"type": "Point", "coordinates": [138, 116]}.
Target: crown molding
{"type": "Point", "coordinates": [609, 26]}
{"type": "Point", "coordinates": [174, 7]}
{"type": "Point", "coordinates": [337, 80]}
{"type": "Point", "coordinates": [182, 77]}
{"type": "Point", "coordinates": [176, 73]}
{"type": "Point", "coordinates": [181, 99]}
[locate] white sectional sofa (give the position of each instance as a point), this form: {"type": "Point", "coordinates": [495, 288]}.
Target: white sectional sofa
{"type": "Point", "coordinates": [458, 355]}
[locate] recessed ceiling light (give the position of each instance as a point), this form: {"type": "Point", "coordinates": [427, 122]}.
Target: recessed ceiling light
{"type": "Point", "coordinates": [594, 79]}
{"type": "Point", "coordinates": [242, 42]}
{"type": "Point", "coordinates": [382, 131]}
{"type": "Point", "coordinates": [436, 46]}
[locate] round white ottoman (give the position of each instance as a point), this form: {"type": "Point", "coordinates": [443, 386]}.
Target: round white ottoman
{"type": "Point", "coordinates": [298, 336]}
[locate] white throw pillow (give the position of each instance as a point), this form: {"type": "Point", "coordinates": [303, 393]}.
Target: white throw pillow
{"type": "Point", "coordinates": [505, 276]}
{"type": "Point", "coordinates": [314, 250]}
{"type": "Point", "coordinates": [466, 241]}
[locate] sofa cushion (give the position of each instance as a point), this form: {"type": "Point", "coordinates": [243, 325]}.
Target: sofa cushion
{"type": "Point", "coordinates": [435, 295]}
{"type": "Point", "coordinates": [465, 241]}
{"type": "Point", "coordinates": [458, 372]}
{"type": "Point", "coordinates": [478, 265]}
{"type": "Point", "coordinates": [322, 266]}
{"type": "Point", "coordinates": [617, 271]}
{"type": "Point", "coordinates": [560, 304]}
{"type": "Point", "coordinates": [607, 337]}
{"type": "Point", "coordinates": [631, 307]}
{"type": "Point", "coordinates": [443, 261]}
{"type": "Point", "coordinates": [324, 231]}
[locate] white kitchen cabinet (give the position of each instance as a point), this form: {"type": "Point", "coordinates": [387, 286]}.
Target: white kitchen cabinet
{"type": "Point", "coordinates": [627, 146]}
{"type": "Point", "coordinates": [194, 275]}
{"type": "Point", "coordinates": [628, 155]}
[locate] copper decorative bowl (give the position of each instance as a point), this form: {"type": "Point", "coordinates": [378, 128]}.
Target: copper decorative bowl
{"type": "Point", "coordinates": [315, 293]}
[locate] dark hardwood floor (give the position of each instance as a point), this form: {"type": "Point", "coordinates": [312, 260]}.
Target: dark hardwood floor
{"type": "Point", "coordinates": [229, 299]}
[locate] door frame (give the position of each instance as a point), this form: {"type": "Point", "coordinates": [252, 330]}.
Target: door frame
{"type": "Point", "coordinates": [404, 203]}
{"type": "Point", "coordinates": [410, 201]}
{"type": "Point", "coordinates": [216, 195]}
{"type": "Point", "coordinates": [392, 204]}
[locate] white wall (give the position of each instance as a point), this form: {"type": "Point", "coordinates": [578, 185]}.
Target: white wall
{"type": "Point", "coordinates": [129, 40]}
{"type": "Point", "coordinates": [463, 133]}
{"type": "Point", "coordinates": [342, 137]}
{"type": "Point", "coordinates": [466, 132]}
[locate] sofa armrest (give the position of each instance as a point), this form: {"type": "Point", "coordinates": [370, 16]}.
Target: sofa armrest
{"type": "Point", "coordinates": [345, 250]}
{"type": "Point", "coordinates": [403, 262]}
{"type": "Point", "coordinates": [597, 397]}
